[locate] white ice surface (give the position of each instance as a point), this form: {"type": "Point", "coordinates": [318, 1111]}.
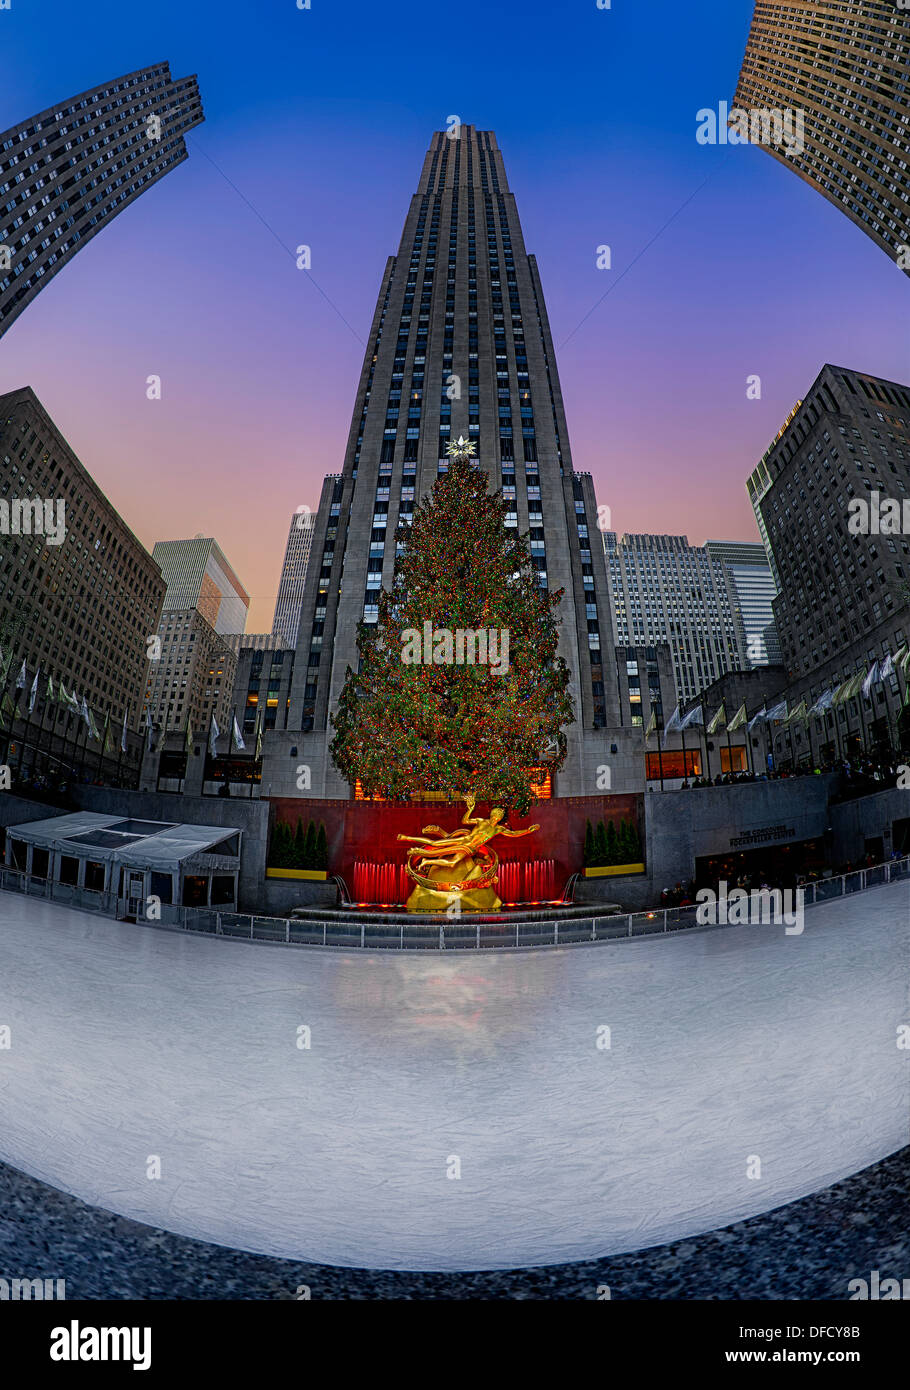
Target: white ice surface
{"type": "Point", "coordinates": [129, 1042]}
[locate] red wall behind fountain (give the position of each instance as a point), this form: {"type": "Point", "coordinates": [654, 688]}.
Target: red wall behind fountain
{"type": "Point", "coordinates": [367, 830]}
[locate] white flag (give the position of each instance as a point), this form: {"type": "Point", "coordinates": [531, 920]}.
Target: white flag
{"type": "Point", "coordinates": [757, 718]}
{"type": "Point", "coordinates": [20, 679]}
{"type": "Point", "coordinates": [90, 722]}
{"type": "Point", "coordinates": [123, 734]}
{"type": "Point", "coordinates": [238, 737]}
{"type": "Point", "coordinates": [778, 712]}
{"type": "Point", "coordinates": [887, 667]}
{"type": "Point", "coordinates": [695, 716]}
{"type": "Point", "coordinates": [213, 735]}
{"type": "Point", "coordinates": [33, 694]}
{"type": "Point", "coordinates": [871, 678]}
{"type": "Point", "coordinates": [673, 724]}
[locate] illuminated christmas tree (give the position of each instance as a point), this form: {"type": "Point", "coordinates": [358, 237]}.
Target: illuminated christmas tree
{"type": "Point", "coordinates": [460, 689]}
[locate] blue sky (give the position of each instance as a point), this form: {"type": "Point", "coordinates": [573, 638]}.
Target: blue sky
{"type": "Point", "coordinates": [321, 119]}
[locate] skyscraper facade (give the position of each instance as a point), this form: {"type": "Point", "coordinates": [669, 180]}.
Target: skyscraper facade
{"type": "Point", "coordinates": [459, 344]}
{"type": "Point", "coordinates": [199, 576]}
{"type": "Point", "coordinates": [79, 603]}
{"type": "Point", "coordinates": [65, 173]}
{"type": "Point", "coordinates": [845, 65]}
{"type": "Point", "coordinates": [293, 578]}
{"type": "Point", "coordinates": [845, 586]}
{"type": "Point", "coordinates": [753, 583]}
{"type": "Point", "coordinates": [757, 485]}
{"type": "Point", "coordinates": [665, 590]}
{"type": "Point", "coordinates": [192, 676]}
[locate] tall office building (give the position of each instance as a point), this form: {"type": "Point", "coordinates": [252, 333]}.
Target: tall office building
{"type": "Point", "coordinates": [78, 601]}
{"type": "Point", "coordinates": [753, 583]}
{"type": "Point", "coordinates": [665, 590]}
{"type": "Point", "coordinates": [845, 64]}
{"type": "Point", "coordinates": [844, 599]}
{"type": "Point", "coordinates": [192, 678]}
{"type": "Point", "coordinates": [198, 576]}
{"type": "Point", "coordinates": [65, 173]}
{"type": "Point", "coordinates": [758, 483]}
{"type": "Point", "coordinates": [262, 682]}
{"type": "Point", "coordinates": [460, 344]}
{"type": "Point", "coordinates": [193, 675]}
{"type": "Point", "coordinates": [293, 578]}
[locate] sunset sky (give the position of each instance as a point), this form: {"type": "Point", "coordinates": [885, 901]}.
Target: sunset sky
{"type": "Point", "coordinates": [320, 120]}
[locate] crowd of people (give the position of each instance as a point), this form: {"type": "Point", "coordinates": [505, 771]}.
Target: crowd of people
{"type": "Point", "coordinates": [863, 772]}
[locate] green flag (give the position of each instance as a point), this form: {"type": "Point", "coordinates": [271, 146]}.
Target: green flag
{"type": "Point", "coordinates": [718, 721]}
{"type": "Point", "coordinates": [738, 719]}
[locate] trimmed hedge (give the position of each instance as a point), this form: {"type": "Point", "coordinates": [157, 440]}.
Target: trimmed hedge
{"type": "Point", "coordinates": [606, 844]}
{"type": "Point", "coordinates": [298, 849]}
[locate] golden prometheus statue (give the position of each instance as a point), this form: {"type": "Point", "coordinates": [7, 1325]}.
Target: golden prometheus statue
{"type": "Point", "coordinates": [435, 853]}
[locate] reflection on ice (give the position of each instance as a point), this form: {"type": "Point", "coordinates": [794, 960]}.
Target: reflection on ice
{"type": "Point", "coordinates": [725, 1046]}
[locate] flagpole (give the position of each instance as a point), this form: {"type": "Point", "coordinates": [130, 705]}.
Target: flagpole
{"type": "Point", "coordinates": [864, 732]}
{"type": "Point", "coordinates": [44, 709]}
{"type": "Point", "coordinates": [120, 752]}
{"type": "Point", "coordinates": [894, 733]}
{"type": "Point", "coordinates": [26, 722]}
{"type": "Point", "coordinates": [101, 743]}
{"type": "Point", "coordinates": [838, 746]}
{"type": "Point", "coordinates": [704, 729]}
{"type": "Point", "coordinates": [901, 703]}
{"type": "Point", "coordinates": [71, 714]}
{"type": "Point", "coordinates": [76, 746]}
{"type": "Point", "coordinates": [9, 734]}
{"type": "Point", "coordinates": [227, 771]}
{"type": "Point", "coordinates": [682, 733]}
{"type": "Point", "coordinates": [65, 739]}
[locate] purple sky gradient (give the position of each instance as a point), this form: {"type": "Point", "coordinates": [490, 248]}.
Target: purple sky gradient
{"type": "Point", "coordinates": [322, 125]}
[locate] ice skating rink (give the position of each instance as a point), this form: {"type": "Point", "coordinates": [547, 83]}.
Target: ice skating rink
{"type": "Point", "coordinates": [452, 1110]}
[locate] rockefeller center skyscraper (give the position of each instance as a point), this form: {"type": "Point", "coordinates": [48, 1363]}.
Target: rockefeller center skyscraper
{"type": "Point", "coordinates": [65, 173]}
{"type": "Point", "coordinates": [459, 344]}
{"type": "Point", "coordinates": [845, 66]}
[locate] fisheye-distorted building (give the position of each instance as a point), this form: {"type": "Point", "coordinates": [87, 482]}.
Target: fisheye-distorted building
{"type": "Point", "coordinates": [845, 65]}
{"type": "Point", "coordinates": [65, 173]}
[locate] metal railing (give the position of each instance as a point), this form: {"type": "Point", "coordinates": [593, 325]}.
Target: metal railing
{"type": "Point", "coordinates": [449, 934]}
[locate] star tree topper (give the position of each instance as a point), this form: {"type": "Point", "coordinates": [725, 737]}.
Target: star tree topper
{"type": "Point", "coordinates": [460, 448]}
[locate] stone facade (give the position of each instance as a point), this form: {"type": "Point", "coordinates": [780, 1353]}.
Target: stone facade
{"type": "Point", "coordinates": [844, 599]}
{"type": "Point", "coordinates": [665, 590]}
{"type": "Point", "coordinates": [65, 173]}
{"type": "Point", "coordinates": [83, 609]}
{"type": "Point", "coordinates": [846, 68]}
{"type": "Point", "coordinates": [460, 344]}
